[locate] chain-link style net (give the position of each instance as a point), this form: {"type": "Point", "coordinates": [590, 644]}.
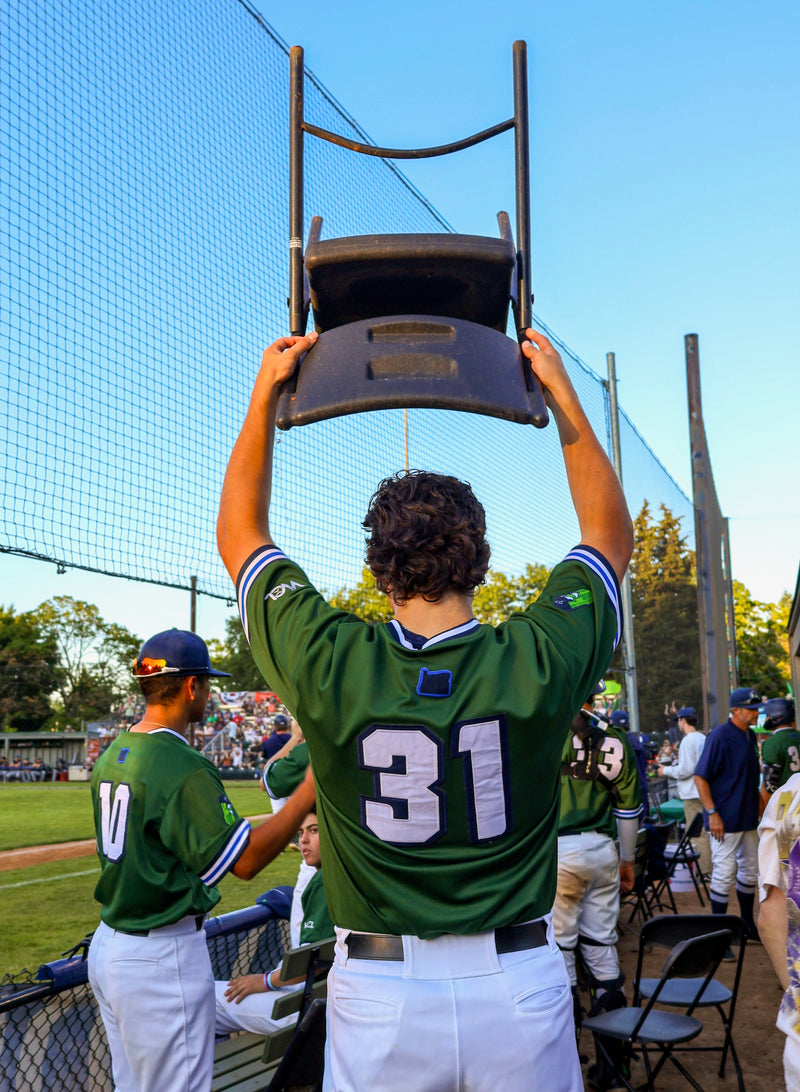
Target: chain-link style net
{"type": "Point", "coordinates": [51, 1034]}
{"type": "Point", "coordinates": [144, 250]}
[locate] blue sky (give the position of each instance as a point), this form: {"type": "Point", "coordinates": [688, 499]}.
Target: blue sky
{"type": "Point", "coordinates": [665, 160]}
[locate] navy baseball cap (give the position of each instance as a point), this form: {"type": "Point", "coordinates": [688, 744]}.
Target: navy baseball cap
{"type": "Point", "coordinates": [600, 688]}
{"type": "Point", "coordinates": [174, 652]}
{"type": "Point", "coordinates": [745, 698]}
{"type": "Point", "coordinates": [620, 719]}
{"type": "Point", "coordinates": [687, 711]}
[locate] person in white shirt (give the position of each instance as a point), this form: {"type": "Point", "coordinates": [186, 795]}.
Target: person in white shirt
{"type": "Point", "coordinates": [682, 771]}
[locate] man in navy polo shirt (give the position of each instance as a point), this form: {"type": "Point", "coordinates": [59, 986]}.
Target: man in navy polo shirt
{"type": "Point", "coordinates": [727, 776]}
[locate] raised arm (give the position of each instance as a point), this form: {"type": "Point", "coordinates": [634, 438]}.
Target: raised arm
{"type": "Point", "coordinates": [243, 521]}
{"type": "Point", "coordinates": [603, 516]}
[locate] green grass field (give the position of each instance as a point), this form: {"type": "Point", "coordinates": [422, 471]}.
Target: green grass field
{"type": "Point", "coordinates": [49, 908]}
{"type": "Point", "coordinates": [35, 815]}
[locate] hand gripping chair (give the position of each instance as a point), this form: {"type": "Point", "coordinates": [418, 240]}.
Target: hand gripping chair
{"type": "Point", "coordinates": [411, 320]}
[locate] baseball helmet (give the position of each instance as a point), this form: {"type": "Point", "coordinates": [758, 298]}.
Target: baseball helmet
{"type": "Point", "coordinates": [778, 712]}
{"type": "Point", "coordinates": [174, 652]}
{"type": "Point", "coordinates": [280, 723]}
{"type": "Point", "coordinates": [621, 719]}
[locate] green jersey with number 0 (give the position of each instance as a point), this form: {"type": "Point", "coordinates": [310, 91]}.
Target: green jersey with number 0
{"type": "Point", "coordinates": [437, 762]}
{"type": "Point", "coordinates": [166, 831]}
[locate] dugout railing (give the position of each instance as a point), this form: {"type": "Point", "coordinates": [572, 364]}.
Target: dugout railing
{"type": "Point", "coordinates": [51, 1035]}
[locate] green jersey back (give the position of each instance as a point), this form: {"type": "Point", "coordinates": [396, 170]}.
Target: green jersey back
{"type": "Point", "coordinates": [436, 762]}
{"type": "Point", "coordinates": [780, 756]}
{"type": "Point", "coordinates": [166, 831]}
{"type": "Point", "coordinates": [596, 805]}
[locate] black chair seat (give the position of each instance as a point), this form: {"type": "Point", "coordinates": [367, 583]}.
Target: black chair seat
{"type": "Point", "coordinates": [658, 1027]}
{"type": "Point", "coordinates": [369, 276]}
{"type": "Point", "coordinates": [681, 991]}
{"type": "Point", "coordinates": [406, 361]}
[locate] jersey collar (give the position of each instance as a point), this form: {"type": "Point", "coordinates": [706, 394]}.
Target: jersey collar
{"type": "Point", "coordinates": [412, 641]}
{"type": "Point", "coordinates": [169, 732]}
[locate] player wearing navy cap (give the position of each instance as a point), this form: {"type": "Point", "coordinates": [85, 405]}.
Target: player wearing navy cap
{"type": "Point", "coordinates": [166, 835]}
{"type": "Point", "coordinates": [727, 776]}
{"type": "Point", "coordinates": [436, 746]}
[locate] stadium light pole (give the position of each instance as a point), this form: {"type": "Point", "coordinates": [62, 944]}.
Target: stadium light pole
{"type": "Point", "coordinates": [629, 655]}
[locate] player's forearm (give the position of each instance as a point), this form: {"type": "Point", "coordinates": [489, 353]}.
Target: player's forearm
{"type": "Point", "coordinates": [773, 929]}
{"type": "Point", "coordinates": [704, 792]}
{"type": "Point", "coordinates": [628, 831]}
{"type": "Point", "coordinates": [275, 833]}
{"type": "Point", "coordinates": [246, 490]}
{"type": "Point", "coordinates": [597, 496]}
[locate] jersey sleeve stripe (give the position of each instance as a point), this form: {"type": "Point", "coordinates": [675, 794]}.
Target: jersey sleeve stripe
{"type": "Point", "coordinates": [595, 561]}
{"type": "Point", "coordinates": [627, 813]}
{"type": "Point", "coordinates": [254, 565]}
{"type": "Point", "coordinates": [265, 783]}
{"type": "Point", "coordinates": [228, 855]}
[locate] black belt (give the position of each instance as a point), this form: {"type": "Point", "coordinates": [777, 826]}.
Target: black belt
{"type": "Point", "coordinates": [198, 925]}
{"type": "Point", "coordinates": [511, 938]}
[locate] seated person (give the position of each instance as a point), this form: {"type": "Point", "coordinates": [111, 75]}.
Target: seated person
{"type": "Point", "coordinates": [241, 1004]}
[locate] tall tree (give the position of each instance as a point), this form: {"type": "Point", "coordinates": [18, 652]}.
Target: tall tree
{"type": "Point", "coordinates": [28, 672]}
{"type": "Point", "coordinates": [501, 595]}
{"type": "Point", "coordinates": [762, 644]}
{"type": "Point", "coordinates": [94, 658]}
{"type": "Point", "coordinates": [665, 617]}
{"type": "Point", "coordinates": [364, 599]}
{"type": "Point", "coordinates": [233, 655]}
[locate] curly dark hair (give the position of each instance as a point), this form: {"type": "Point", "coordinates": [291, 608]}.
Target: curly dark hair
{"type": "Point", "coordinates": [427, 536]}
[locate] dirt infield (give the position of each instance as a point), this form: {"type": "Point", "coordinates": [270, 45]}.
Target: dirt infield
{"type": "Point", "coordinates": [61, 851]}
{"type": "Point", "coordinates": [35, 855]}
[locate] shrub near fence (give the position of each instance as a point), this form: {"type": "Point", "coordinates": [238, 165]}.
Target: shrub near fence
{"type": "Point", "coordinates": [51, 1035]}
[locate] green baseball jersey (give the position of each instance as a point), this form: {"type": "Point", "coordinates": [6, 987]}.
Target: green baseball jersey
{"type": "Point", "coordinates": [597, 804]}
{"type": "Point", "coordinates": [282, 776]}
{"type": "Point", "coordinates": [780, 757]}
{"type": "Point", "coordinates": [317, 924]}
{"type": "Point", "coordinates": [166, 831]}
{"type": "Point", "coordinates": [437, 762]}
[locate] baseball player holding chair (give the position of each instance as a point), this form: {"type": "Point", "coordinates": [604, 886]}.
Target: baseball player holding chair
{"type": "Point", "coordinates": [780, 752]}
{"type": "Point", "coordinates": [600, 801]}
{"type": "Point", "coordinates": [166, 835]}
{"type": "Point", "coordinates": [426, 735]}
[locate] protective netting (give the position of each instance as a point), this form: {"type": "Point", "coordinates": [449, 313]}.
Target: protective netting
{"type": "Point", "coordinates": [144, 242]}
{"type": "Point", "coordinates": [51, 1034]}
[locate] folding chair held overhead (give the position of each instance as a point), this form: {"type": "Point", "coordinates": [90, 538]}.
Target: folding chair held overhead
{"type": "Point", "coordinates": [652, 1029]}
{"type": "Point", "coordinates": [411, 320]}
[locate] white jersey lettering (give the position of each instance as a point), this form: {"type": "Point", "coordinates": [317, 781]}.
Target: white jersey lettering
{"type": "Point", "coordinates": [113, 819]}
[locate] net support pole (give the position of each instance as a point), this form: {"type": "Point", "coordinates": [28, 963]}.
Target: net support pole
{"type": "Point", "coordinates": [628, 648]}
{"type": "Point", "coordinates": [296, 107]}
{"type": "Point", "coordinates": [717, 638]}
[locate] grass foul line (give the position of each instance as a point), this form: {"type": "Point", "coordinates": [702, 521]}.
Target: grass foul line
{"type": "Point", "coordinates": [47, 879]}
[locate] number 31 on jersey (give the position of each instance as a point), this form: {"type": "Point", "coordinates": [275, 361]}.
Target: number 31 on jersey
{"type": "Point", "coordinates": [409, 806]}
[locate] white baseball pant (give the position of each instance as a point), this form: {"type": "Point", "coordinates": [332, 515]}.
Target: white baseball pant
{"type": "Point", "coordinates": [453, 1013]}
{"type": "Point", "coordinates": [156, 997]}
{"type": "Point", "coordinates": [587, 902]}
{"type": "Point", "coordinates": [734, 859]}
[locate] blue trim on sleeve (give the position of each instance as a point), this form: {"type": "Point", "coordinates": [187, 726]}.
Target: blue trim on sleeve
{"type": "Point", "coordinates": [255, 564]}
{"type": "Point", "coordinates": [599, 565]}
{"type": "Point", "coordinates": [228, 855]}
{"type": "Point", "coordinates": [627, 813]}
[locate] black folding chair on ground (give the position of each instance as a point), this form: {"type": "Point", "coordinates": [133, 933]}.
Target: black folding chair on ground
{"type": "Point", "coordinates": [650, 871]}
{"type": "Point", "coordinates": [684, 853]}
{"type": "Point", "coordinates": [411, 320]}
{"type": "Point", "coordinates": [669, 930]}
{"type": "Point", "coordinates": [695, 960]}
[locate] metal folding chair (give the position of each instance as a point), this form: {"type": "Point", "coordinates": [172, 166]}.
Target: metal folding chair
{"type": "Point", "coordinates": [695, 960]}
{"type": "Point", "coordinates": [669, 930]}
{"type": "Point", "coordinates": [411, 320]}
{"type": "Point", "coordinates": [684, 853]}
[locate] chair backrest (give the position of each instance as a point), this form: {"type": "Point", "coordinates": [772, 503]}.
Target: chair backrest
{"type": "Point", "coordinates": [667, 930]}
{"type": "Point", "coordinates": [658, 834]}
{"type": "Point", "coordinates": [695, 828]}
{"type": "Point", "coordinates": [696, 958]}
